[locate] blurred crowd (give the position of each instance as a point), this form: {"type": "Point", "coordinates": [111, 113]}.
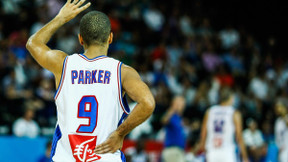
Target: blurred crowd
{"type": "Point", "coordinates": [175, 47]}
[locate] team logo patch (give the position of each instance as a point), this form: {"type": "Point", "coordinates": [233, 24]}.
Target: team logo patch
{"type": "Point", "coordinates": [83, 148]}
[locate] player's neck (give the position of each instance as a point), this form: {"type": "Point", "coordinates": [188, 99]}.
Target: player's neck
{"type": "Point", "coordinates": [95, 50]}
{"type": "Point", "coordinates": [225, 104]}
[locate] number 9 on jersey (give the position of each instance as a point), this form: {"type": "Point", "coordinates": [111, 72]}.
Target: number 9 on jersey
{"type": "Point", "coordinates": [88, 109]}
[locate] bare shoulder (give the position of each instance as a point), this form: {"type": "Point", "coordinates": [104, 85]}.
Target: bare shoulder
{"type": "Point", "coordinates": [207, 112]}
{"type": "Point", "coordinates": [126, 68]}
{"type": "Point", "coordinates": [237, 114]}
{"type": "Point", "coordinates": [128, 72]}
{"type": "Point", "coordinates": [206, 116]}
{"type": "Point", "coordinates": [49, 59]}
{"type": "Point", "coordinates": [56, 61]}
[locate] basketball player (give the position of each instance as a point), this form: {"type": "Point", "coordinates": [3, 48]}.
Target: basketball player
{"type": "Point", "coordinates": [281, 131]}
{"type": "Point", "coordinates": [90, 89]}
{"type": "Point", "coordinates": [221, 124]}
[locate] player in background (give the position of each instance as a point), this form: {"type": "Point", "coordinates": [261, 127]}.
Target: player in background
{"type": "Point", "coordinates": [221, 124]}
{"type": "Point", "coordinates": [281, 131]}
{"type": "Point", "coordinates": [90, 90]}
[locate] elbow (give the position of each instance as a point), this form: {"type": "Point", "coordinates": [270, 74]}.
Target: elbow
{"type": "Point", "coordinates": [29, 44]}
{"type": "Point", "coordinates": [149, 105]}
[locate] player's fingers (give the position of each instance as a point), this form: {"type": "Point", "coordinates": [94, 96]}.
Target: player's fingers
{"type": "Point", "coordinates": [107, 150]}
{"type": "Point", "coordinates": [75, 1]}
{"type": "Point", "coordinates": [97, 148]}
{"type": "Point", "coordinates": [84, 7]}
{"type": "Point", "coordinates": [80, 3]}
{"type": "Point", "coordinates": [102, 150]}
{"type": "Point", "coordinates": [104, 146]}
{"type": "Point", "coordinates": [100, 147]}
{"type": "Point", "coordinates": [68, 1]}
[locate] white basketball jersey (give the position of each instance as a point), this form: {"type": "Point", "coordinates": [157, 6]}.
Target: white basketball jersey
{"type": "Point", "coordinates": [281, 133]}
{"type": "Point", "coordinates": [220, 128]}
{"type": "Point", "coordinates": [89, 108]}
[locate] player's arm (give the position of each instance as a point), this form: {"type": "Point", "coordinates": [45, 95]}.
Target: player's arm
{"type": "Point", "coordinates": [167, 116]}
{"type": "Point", "coordinates": [37, 44]}
{"type": "Point", "coordinates": [238, 131]}
{"type": "Point", "coordinates": [139, 92]}
{"type": "Point", "coordinates": [286, 119]}
{"type": "Point", "coordinates": [204, 131]}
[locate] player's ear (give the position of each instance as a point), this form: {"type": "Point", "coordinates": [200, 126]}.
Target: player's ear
{"type": "Point", "coordinates": [110, 39]}
{"type": "Point", "coordinates": [80, 38]}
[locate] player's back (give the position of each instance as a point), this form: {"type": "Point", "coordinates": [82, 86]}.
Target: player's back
{"type": "Point", "coordinates": [89, 108]}
{"type": "Point", "coordinates": [220, 128]}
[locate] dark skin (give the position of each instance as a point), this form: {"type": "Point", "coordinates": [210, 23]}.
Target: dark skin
{"type": "Point", "coordinates": [132, 84]}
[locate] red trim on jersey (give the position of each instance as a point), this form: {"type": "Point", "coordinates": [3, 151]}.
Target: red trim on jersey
{"type": "Point", "coordinates": [62, 79]}
{"type": "Point", "coordinates": [119, 88]}
{"type": "Point", "coordinates": [95, 59]}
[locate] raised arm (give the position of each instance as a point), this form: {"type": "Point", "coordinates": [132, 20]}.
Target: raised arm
{"type": "Point", "coordinates": [238, 131]}
{"type": "Point", "coordinates": [177, 106]}
{"type": "Point", "coordinates": [139, 92]}
{"type": "Point", "coordinates": [49, 59]}
{"type": "Point", "coordinates": [167, 116]}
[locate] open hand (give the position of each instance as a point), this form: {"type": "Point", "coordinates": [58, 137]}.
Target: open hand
{"type": "Point", "coordinates": [72, 9]}
{"type": "Point", "coordinates": [111, 145]}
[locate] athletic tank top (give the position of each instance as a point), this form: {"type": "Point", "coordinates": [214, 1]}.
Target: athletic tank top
{"type": "Point", "coordinates": [89, 108]}
{"type": "Point", "coordinates": [220, 128]}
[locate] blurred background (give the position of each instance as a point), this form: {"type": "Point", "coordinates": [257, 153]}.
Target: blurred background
{"type": "Point", "coordinates": [188, 48]}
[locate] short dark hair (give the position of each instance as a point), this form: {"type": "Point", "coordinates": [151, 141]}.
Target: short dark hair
{"type": "Point", "coordinates": [225, 94]}
{"type": "Point", "coordinates": [95, 28]}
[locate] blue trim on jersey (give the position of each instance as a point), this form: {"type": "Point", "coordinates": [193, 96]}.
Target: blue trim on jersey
{"type": "Point", "coordinates": [92, 58]}
{"type": "Point", "coordinates": [63, 68]}
{"type": "Point", "coordinates": [123, 117]}
{"type": "Point", "coordinates": [57, 136]}
{"type": "Point", "coordinates": [125, 103]}
{"type": "Point", "coordinates": [124, 100]}
{"type": "Point", "coordinates": [123, 157]}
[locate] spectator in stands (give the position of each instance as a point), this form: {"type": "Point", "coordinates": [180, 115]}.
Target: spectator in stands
{"type": "Point", "coordinates": [46, 156]}
{"type": "Point", "coordinates": [175, 139]}
{"type": "Point", "coordinates": [281, 131]}
{"type": "Point", "coordinates": [234, 60]}
{"type": "Point", "coordinates": [174, 54]}
{"type": "Point", "coordinates": [229, 37]}
{"type": "Point", "coordinates": [210, 58]}
{"type": "Point", "coordinates": [267, 131]}
{"type": "Point", "coordinates": [254, 141]}
{"type": "Point", "coordinates": [205, 29]}
{"type": "Point", "coordinates": [201, 100]}
{"type": "Point", "coordinates": [1, 31]}
{"type": "Point", "coordinates": [186, 25]}
{"type": "Point", "coordinates": [259, 86]}
{"type": "Point", "coordinates": [153, 18]}
{"type": "Point", "coordinates": [26, 126]}
{"type": "Point", "coordinates": [140, 155]}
